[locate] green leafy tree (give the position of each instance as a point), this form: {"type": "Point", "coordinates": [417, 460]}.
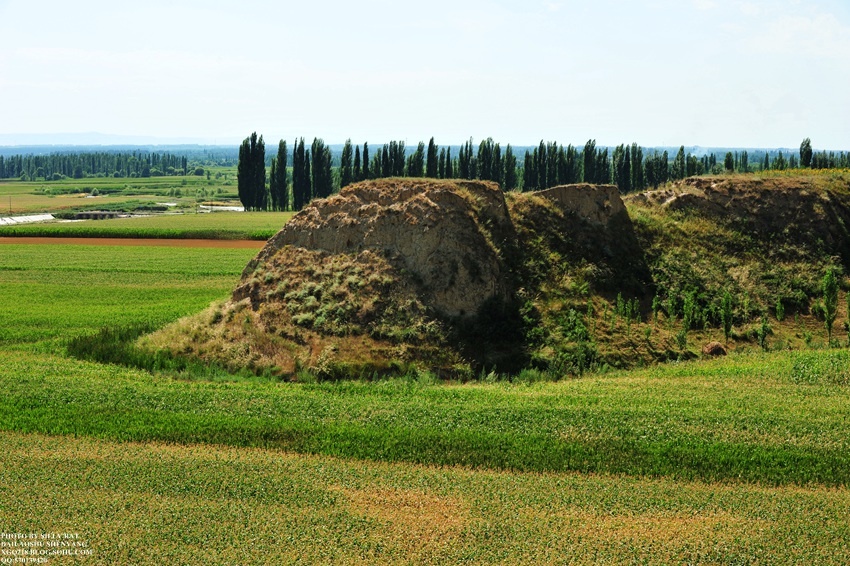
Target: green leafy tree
{"type": "Point", "coordinates": [278, 181]}
{"type": "Point", "coordinates": [366, 173]}
{"type": "Point", "coordinates": [510, 169]}
{"type": "Point", "coordinates": [589, 159]}
{"type": "Point", "coordinates": [679, 167]}
{"type": "Point", "coordinates": [542, 165]}
{"type": "Point", "coordinates": [603, 167]}
{"type": "Point", "coordinates": [552, 164]}
{"type": "Point", "coordinates": [301, 193]}
{"type": "Point", "coordinates": [763, 332]}
{"type": "Point", "coordinates": [321, 169]}
{"type": "Point", "coordinates": [467, 164]}
{"type": "Point", "coordinates": [529, 172]}
{"type": "Point", "coordinates": [485, 159]}
{"type": "Point", "coordinates": [273, 184]}
{"type": "Point", "coordinates": [251, 173]}
{"type": "Point", "coordinates": [656, 305]}
{"type": "Point", "coordinates": [346, 169]}
{"type": "Point", "coordinates": [432, 164]}
{"type": "Point", "coordinates": [847, 322]}
{"type": "Point", "coordinates": [622, 168]}
{"type": "Point", "coordinates": [829, 286]}
{"type": "Point", "coordinates": [416, 162]}
{"type": "Point", "coordinates": [357, 173]}
{"type": "Point", "coordinates": [726, 315]}
{"type": "Point", "coordinates": [497, 171]}
{"type": "Point", "coordinates": [729, 162]}
{"type": "Point", "coordinates": [806, 153]}
{"type": "Point", "coordinates": [638, 177]}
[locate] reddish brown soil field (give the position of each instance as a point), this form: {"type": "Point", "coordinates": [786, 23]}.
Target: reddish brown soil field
{"type": "Point", "coordinates": [174, 243]}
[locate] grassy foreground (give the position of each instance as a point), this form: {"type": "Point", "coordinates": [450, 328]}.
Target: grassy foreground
{"type": "Point", "coordinates": [740, 420]}
{"type": "Point", "coordinates": [156, 503]}
{"type": "Point", "coordinates": [743, 460]}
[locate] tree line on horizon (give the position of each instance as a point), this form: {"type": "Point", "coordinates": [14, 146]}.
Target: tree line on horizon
{"type": "Point", "coordinates": [56, 166]}
{"type": "Point", "coordinates": [314, 171]}
{"type": "Point", "coordinates": [314, 175]}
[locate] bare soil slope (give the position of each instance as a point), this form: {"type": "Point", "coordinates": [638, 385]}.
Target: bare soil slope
{"type": "Point", "coordinates": [443, 274]}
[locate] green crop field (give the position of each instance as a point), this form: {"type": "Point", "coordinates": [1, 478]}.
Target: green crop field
{"type": "Point", "coordinates": [23, 197]}
{"type": "Point", "coordinates": [53, 292]}
{"type": "Point", "coordinates": [742, 460]}
{"type": "Point", "coordinates": [158, 503]}
{"type": "Point", "coordinates": [212, 226]}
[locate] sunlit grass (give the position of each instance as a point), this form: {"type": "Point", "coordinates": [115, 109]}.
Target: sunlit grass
{"type": "Point", "coordinates": [51, 293]}
{"type": "Point", "coordinates": [741, 420]}
{"type": "Point", "coordinates": [155, 503]}
{"type": "Point", "coordinates": [740, 460]}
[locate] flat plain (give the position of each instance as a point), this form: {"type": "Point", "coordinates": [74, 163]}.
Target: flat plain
{"type": "Point", "coordinates": [737, 461]}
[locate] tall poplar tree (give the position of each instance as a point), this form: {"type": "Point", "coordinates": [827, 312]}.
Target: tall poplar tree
{"type": "Point", "coordinates": [278, 181]}
{"type": "Point", "coordinates": [638, 179]}
{"type": "Point", "coordinates": [510, 169]}
{"type": "Point", "coordinates": [745, 162]}
{"type": "Point", "coordinates": [358, 175]}
{"type": "Point", "coordinates": [529, 172]}
{"type": "Point", "coordinates": [346, 172]}
{"type": "Point", "coordinates": [552, 164]}
{"type": "Point", "coordinates": [251, 173]}
{"type": "Point", "coordinates": [497, 170]}
{"type": "Point", "coordinates": [366, 173]}
{"type": "Point", "coordinates": [300, 176]}
{"type": "Point", "coordinates": [416, 162]}
{"type": "Point", "coordinates": [321, 169]}
{"type": "Point", "coordinates": [806, 153]}
{"type": "Point", "coordinates": [589, 158]}
{"type": "Point", "coordinates": [542, 167]}
{"type": "Point", "coordinates": [679, 167]}
{"type": "Point", "coordinates": [432, 166]}
{"type": "Point", "coordinates": [273, 184]}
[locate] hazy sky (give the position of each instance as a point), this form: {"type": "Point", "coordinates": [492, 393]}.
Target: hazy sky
{"type": "Point", "coordinates": [659, 72]}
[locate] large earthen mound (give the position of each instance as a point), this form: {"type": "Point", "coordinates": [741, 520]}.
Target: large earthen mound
{"type": "Point", "coordinates": [443, 274]}
{"type": "Point", "coordinates": [447, 235]}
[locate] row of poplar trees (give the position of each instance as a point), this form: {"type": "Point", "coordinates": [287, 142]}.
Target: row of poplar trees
{"type": "Point", "coordinates": [545, 166]}
{"type": "Point", "coordinates": [311, 175]}
{"type": "Point", "coordinates": [314, 175]}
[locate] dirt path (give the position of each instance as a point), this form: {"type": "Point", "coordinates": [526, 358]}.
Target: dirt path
{"type": "Point", "coordinates": [173, 243]}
